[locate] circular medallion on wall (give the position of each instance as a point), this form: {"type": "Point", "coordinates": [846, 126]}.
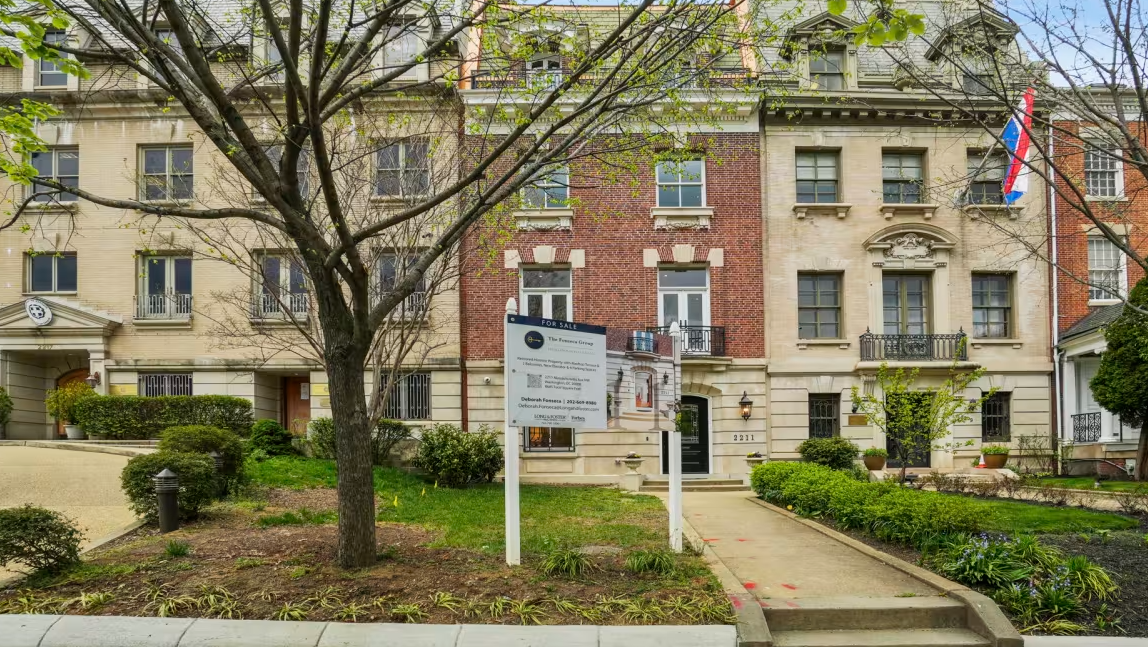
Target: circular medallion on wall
{"type": "Point", "coordinates": [38, 312]}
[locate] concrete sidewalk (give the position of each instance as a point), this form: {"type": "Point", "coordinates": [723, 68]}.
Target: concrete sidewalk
{"type": "Point", "coordinates": [778, 559]}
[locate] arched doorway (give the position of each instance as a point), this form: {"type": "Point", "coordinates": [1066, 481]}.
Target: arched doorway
{"type": "Point", "coordinates": [72, 376]}
{"type": "Point", "coordinates": [695, 437]}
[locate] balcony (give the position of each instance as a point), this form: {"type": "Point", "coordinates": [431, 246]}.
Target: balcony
{"type": "Point", "coordinates": [914, 348]}
{"type": "Point", "coordinates": [698, 341]}
{"type": "Point", "coordinates": [1086, 427]}
{"type": "Point", "coordinates": [286, 306]}
{"type": "Point", "coordinates": [413, 308]}
{"type": "Point", "coordinates": [164, 307]}
{"type": "Point", "coordinates": [718, 77]}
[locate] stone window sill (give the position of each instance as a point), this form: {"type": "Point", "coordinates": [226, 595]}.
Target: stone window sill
{"type": "Point", "coordinates": [896, 209]}
{"type": "Point", "coordinates": [162, 323]}
{"type": "Point", "coordinates": [1106, 198]}
{"type": "Point", "coordinates": [544, 219]}
{"type": "Point", "coordinates": [996, 341]}
{"type": "Point", "coordinates": [974, 210]}
{"type": "Point", "coordinates": [1096, 303]}
{"type": "Point", "coordinates": [682, 217]}
{"type": "Point", "coordinates": [802, 344]}
{"type": "Point", "coordinates": [839, 209]}
{"type": "Point", "coordinates": [53, 207]}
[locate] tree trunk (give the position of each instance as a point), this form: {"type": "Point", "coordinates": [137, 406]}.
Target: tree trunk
{"type": "Point", "coordinates": [353, 454]}
{"type": "Point", "coordinates": [1142, 453]}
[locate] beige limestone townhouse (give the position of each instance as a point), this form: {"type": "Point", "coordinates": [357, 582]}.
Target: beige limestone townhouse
{"type": "Point", "coordinates": [849, 226]}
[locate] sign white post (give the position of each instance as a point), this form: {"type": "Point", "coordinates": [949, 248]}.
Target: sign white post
{"type": "Point", "coordinates": [510, 440]}
{"type": "Point", "coordinates": [555, 376]}
{"type": "Point", "coordinates": [676, 451]}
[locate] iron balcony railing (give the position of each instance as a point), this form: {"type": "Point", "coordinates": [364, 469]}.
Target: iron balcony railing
{"type": "Point", "coordinates": [414, 307]}
{"type": "Point", "coordinates": [717, 77]}
{"type": "Point", "coordinates": [163, 306]}
{"type": "Point", "coordinates": [1086, 427]}
{"type": "Point", "coordinates": [267, 305]}
{"type": "Point", "coordinates": [698, 340]}
{"type": "Point", "coordinates": [642, 342]}
{"type": "Point", "coordinates": [914, 347]}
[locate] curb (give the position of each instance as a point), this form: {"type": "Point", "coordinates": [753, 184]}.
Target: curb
{"type": "Point", "coordinates": [752, 629]}
{"type": "Point", "coordinates": [121, 631]}
{"type": "Point", "coordinates": [985, 617]}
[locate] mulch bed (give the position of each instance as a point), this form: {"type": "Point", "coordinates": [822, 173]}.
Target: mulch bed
{"type": "Point", "coordinates": [264, 569]}
{"type": "Point", "coordinates": [1124, 554]}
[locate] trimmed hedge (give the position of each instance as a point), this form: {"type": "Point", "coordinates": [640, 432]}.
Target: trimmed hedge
{"type": "Point", "coordinates": [455, 458]}
{"type": "Point", "coordinates": [835, 452]}
{"type": "Point", "coordinates": [197, 485]}
{"type": "Point", "coordinates": [139, 417]}
{"type": "Point", "coordinates": [41, 539]}
{"type": "Point", "coordinates": [889, 511]}
{"type": "Point", "coordinates": [271, 437]}
{"type": "Point", "coordinates": [201, 439]}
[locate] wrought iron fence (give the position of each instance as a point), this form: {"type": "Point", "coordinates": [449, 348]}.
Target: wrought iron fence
{"type": "Point", "coordinates": [642, 342]}
{"type": "Point", "coordinates": [698, 340]}
{"type": "Point", "coordinates": [163, 306]}
{"type": "Point", "coordinates": [914, 347]}
{"type": "Point", "coordinates": [1086, 427]}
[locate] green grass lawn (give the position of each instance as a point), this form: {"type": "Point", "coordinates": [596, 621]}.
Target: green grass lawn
{"type": "Point", "coordinates": [1017, 517]}
{"type": "Point", "coordinates": [1087, 483]}
{"type": "Point", "coordinates": [473, 517]}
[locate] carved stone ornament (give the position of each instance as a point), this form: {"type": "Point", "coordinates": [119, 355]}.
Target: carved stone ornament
{"type": "Point", "coordinates": [910, 246]}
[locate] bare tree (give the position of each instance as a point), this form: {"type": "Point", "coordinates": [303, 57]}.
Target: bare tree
{"type": "Point", "coordinates": [336, 141]}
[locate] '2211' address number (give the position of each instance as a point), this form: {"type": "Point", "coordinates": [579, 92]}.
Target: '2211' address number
{"type": "Point", "coordinates": [744, 437]}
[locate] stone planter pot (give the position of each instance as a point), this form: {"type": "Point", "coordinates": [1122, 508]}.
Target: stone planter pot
{"type": "Point", "coordinates": [73, 432]}
{"type": "Point", "coordinates": [633, 464]}
{"type": "Point", "coordinates": [995, 461]}
{"type": "Point", "coordinates": [754, 461]}
{"type": "Point", "coordinates": [874, 463]}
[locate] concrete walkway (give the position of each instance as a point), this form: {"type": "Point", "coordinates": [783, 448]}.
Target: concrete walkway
{"type": "Point", "coordinates": [83, 485]}
{"type": "Point", "coordinates": [778, 559]}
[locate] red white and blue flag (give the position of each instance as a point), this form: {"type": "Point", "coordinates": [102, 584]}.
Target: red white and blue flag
{"type": "Point", "coordinates": [1016, 141]}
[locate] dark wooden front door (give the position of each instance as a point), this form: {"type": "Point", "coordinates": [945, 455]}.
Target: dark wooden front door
{"type": "Point", "coordinates": [921, 450]}
{"type": "Point", "coordinates": [695, 437]}
{"type": "Point", "coordinates": [296, 404]}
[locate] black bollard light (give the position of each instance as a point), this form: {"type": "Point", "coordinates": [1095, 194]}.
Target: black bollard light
{"type": "Point", "coordinates": [167, 499]}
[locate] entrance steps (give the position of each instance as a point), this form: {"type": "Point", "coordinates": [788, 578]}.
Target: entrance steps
{"type": "Point", "coordinates": [923, 621]}
{"type": "Point", "coordinates": [697, 485]}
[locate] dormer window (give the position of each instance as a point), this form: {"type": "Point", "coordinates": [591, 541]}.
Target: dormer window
{"type": "Point", "coordinates": [827, 69]}
{"type": "Point", "coordinates": [401, 49]}
{"type": "Point", "coordinates": [48, 74]}
{"type": "Point", "coordinates": [169, 38]}
{"type": "Point", "coordinates": [544, 71]}
{"type": "Point", "coordinates": [977, 85]}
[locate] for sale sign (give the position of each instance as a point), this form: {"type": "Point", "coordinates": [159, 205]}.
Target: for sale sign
{"type": "Point", "coordinates": [557, 373]}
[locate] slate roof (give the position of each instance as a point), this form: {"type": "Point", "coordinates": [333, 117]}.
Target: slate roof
{"type": "Point", "coordinates": [1093, 321]}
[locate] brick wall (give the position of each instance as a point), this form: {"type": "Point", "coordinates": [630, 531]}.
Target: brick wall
{"type": "Point", "coordinates": [613, 225]}
{"type": "Point", "coordinates": [1072, 226]}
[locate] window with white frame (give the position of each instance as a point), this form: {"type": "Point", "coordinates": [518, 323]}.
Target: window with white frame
{"type": "Point", "coordinates": [1103, 171]}
{"type": "Point", "coordinates": [546, 293]}
{"type": "Point", "coordinates": [168, 173]}
{"type": "Point", "coordinates": [282, 288]}
{"type": "Point", "coordinates": [548, 190]}
{"type": "Point", "coordinates": [681, 183]}
{"type": "Point", "coordinates": [154, 385]}
{"type": "Point", "coordinates": [684, 297]}
{"type": "Point", "coordinates": [827, 69]}
{"type": "Point", "coordinates": [393, 269]}
{"type": "Point", "coordinates": [1106, 270]}
{"type": "Point", "coordinates": [48, 73]}
{"type": "Point", "coordinates": [302, 167]}
{"type": "Point", "coordinates": [275, 60]}
{"type": "Point", "coordinates": [61, 165]}
{"type": "Point", "coordinates": [401, 48]}
{"type": "Point", "coordinates": [408, 397]}
{"type": "Point", "coordinates": [545, 71]}
{"type": "Point", "coordinates": [52, 272]}
{"type": "Point", "coordinates": [165, 287]}
{"type": "Point", "coordinates": [403, 169]}
{"type": "Point", "coordinates": [817, 176]}
{"type": "Point", "coordinates": [168, 37]}
{"type": "Point", "coordinates": [986, 177]}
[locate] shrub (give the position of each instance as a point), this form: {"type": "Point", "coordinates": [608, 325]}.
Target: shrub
{"type": "Point", "coordinates": [876, 451]}
{"type": "Point", "coordinates": [197, 485]}
{"type": "Point", "coordinates": [270, 436]}
{"type": "Point", "coordinates": [387, 433]}
{"type": "Point", "coordinates": [650, 561]}
{"type": "Point", "coordinates": [61, 403]}
{"type": "Point", "coordinates": [6, 406]}
{"type": "Point", "coordinates": [200, 439]}
{"type": "Point", "coordinates": [456, 458]}
{"type": "Point", "coordinates": [994, 449]}
{"type": "Point", "coordinates": [40, 539]}
{"type": "Point", "coordinates": [136, 417]}
{"type": "Point", "coordinates": [837, 453]}
{"type": "Point", "coordinates": [568, 562]}
{"type": "Point", "coordinates": [177, 548]}
{"type": "Point", "coordinates": [766, 479]}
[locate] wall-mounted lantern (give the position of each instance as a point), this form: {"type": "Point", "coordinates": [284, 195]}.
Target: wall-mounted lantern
{"type": "Point", "coordinates": [746, 405]}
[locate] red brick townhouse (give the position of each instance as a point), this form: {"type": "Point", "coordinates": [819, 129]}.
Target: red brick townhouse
{"type": "Point", "coordinates": [1093, 278]}
{"type": "Point", "coordinates": [635, 251]}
